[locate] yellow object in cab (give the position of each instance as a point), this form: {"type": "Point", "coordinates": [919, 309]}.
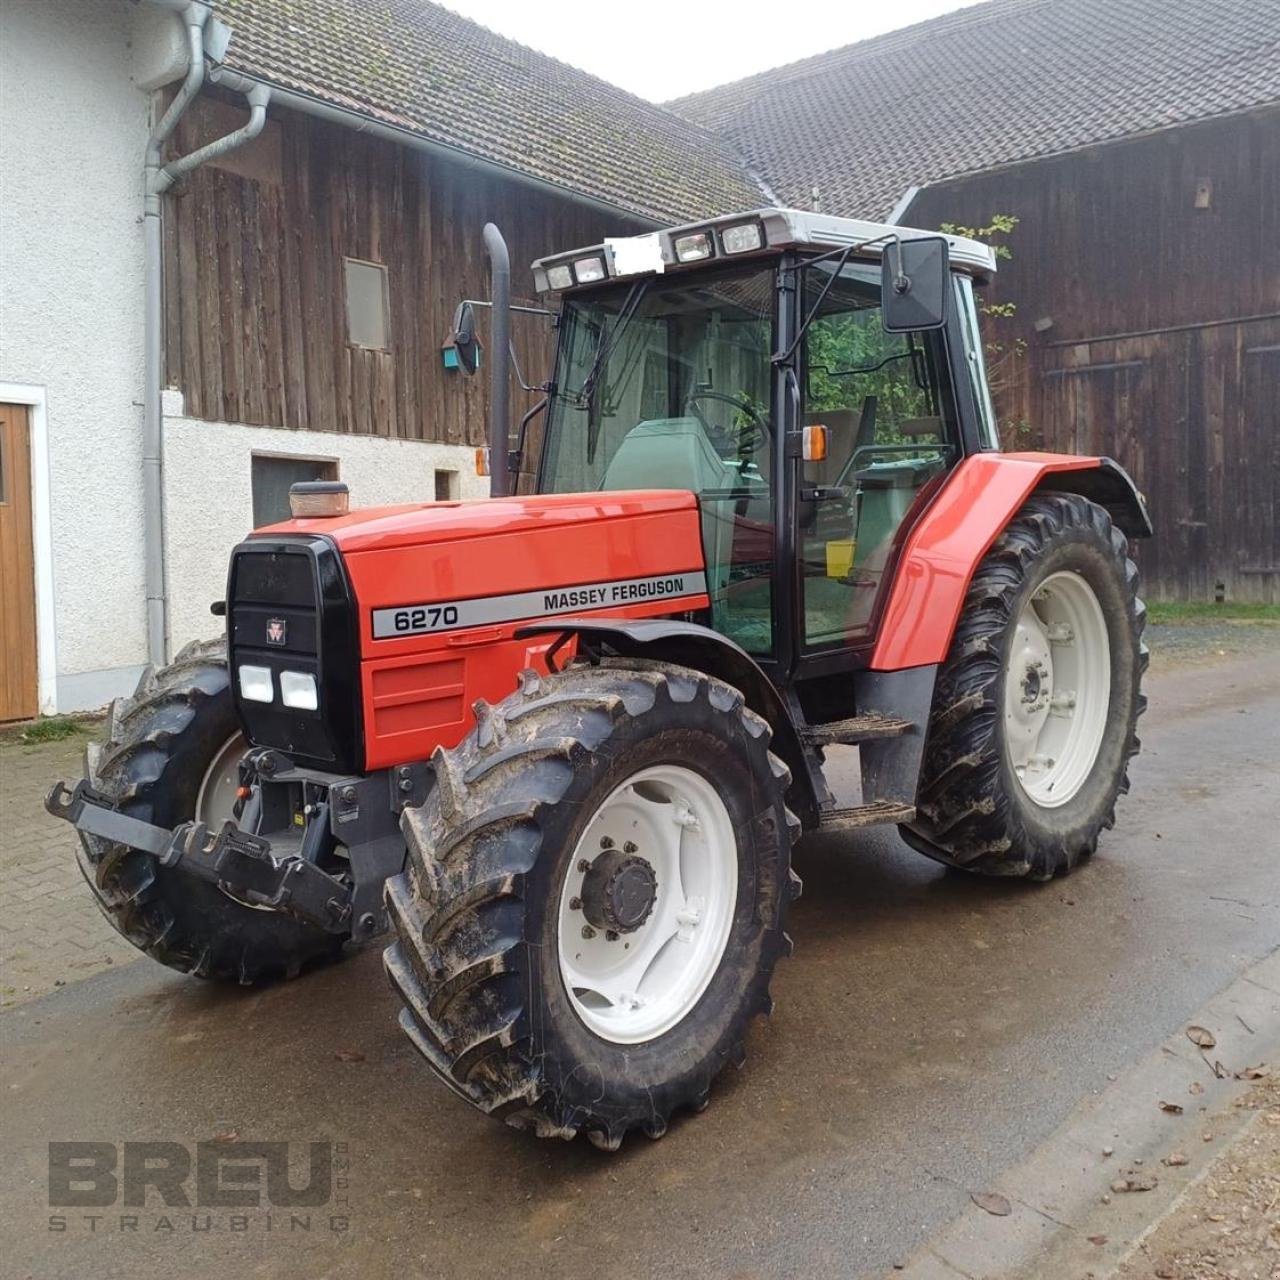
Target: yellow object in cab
{"type": "Point", "coordinates": [840, 557]}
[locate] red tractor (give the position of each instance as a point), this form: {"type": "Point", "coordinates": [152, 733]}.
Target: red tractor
{"type": "Point", "coordinates": [562, 744]}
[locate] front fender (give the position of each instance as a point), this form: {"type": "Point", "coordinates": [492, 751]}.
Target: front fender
{"type": "Point", "coordinates": [948, 542]}
{"type": "Point", "coordinates": [687, 644]}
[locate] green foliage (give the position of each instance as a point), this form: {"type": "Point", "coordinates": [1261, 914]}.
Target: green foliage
{"type": "Point", "coordinates": [49, 729]}
{"type": "Point", "coordinates": [850, 356]}
{"type": "Point", "coordinates": [1002, 353]}
{"type": "Point", "coordinates": [1181, 612]}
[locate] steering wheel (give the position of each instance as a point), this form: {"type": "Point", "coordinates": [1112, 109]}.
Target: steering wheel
{"type": "Point", "coordinates": [748, 437]}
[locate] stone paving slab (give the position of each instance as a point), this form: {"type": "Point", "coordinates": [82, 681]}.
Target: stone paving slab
{"type": "Point", "coordinates": [51, 931]}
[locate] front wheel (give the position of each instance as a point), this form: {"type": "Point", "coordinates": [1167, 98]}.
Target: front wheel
{"type": "Point", "coordinates": [171, 756]}
{"type": "Point", "coordinates": [1034, 713]}
{"type": "Point", "coordinates": [594, 899]}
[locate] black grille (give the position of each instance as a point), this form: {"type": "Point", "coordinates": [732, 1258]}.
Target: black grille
{"type": "Point", "coordinates": [290, 608]}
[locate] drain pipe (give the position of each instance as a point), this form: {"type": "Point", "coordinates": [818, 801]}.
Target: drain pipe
{"type": "Point", "coordinates": [195, 16]}
{"type": "Point", "coordinates": [159, 177]}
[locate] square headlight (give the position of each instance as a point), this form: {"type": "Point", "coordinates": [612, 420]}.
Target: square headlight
{"type": "Point", "coordinates": [589, 270]}
{"type": "Point", "coordinates": [560, 276]}
{"type": "Point", "coordinates": [745, 237]}
{"type": "Point", "coordinates": [695, 247]}
{"type": "Point", "coordinates": [298, 690]}
{"type": "Point", "coordinates": [256, 684]}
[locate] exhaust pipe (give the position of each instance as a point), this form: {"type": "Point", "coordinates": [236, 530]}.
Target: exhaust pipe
{"type": "Point", "coordinates": [500, 479]}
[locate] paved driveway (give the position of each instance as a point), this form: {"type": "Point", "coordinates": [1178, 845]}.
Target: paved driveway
{"type": "Point", "coordinates": [930, 1031]}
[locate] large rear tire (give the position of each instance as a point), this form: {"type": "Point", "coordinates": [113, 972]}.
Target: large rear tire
{"type": "Point", "coordinates": [166, 755]}
{"type": "Point", "coordinates": [1034, 713]}
{"type": "Point", "coordinates": [626, 805]}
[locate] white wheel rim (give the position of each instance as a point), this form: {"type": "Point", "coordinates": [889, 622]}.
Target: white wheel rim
{"type": "Point", "coordinates": [1057, 689]}
{"type": "Point", "coordinates": [637, 985]}
{"type": "Point", "coordinates": [216, 799]}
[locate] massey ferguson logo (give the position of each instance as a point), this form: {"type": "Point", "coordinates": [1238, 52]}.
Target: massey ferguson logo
{"type": "Point", "coordinates": [277, 630]}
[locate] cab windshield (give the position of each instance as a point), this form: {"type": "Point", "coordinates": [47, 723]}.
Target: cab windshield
{"type": "Point", "coordinates": [665, 385]}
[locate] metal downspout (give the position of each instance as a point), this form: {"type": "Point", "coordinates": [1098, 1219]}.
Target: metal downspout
{"type": "Point", "coordinates": [159, 178]}
{"type": "Point", "coordinates": [195, 16]}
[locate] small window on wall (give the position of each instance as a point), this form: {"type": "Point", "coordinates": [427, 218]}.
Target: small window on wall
{"type": "Point", "coordinates": [368, 323]}
{"type": "Point", "coordinates": [446, 486]}
{"type": "Point", "coordinates": [271, 478]}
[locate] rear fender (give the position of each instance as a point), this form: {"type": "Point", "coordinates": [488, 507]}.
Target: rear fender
{"type": "Point", "coordinates": [687, 644]}
{"type": "Point", "coordinates": [970, 512]}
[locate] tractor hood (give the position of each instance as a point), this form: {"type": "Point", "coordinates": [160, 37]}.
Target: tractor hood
{"type": "Point", "coordinates": [429, 523]}
{"type": "Point", "coordinates": [439, 590]}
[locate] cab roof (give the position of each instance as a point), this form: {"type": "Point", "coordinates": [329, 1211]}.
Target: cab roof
{"type": "Point", "coordinates": [625, 257]}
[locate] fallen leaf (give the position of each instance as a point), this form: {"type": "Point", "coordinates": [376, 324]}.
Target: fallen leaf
{"type": "Point", "coordinates": [1146, 1182]}
{"type": "Point", "coordinates": [1196, 1088]}
{"type": "Point", "coordinates": [225, 1135]}
{"type": "Point", "coordinates": [1219, 1070]}
{"type": "Point", "coordinates": [348, 1055]}
{"type": "Point", "coordinates": [1171, 1107]}
{"type": "Point", "coordinates": [1201, 1036]}
{"type": "Point", "coordinates": [1216, 1217]}
{"type": "Point", "coordinates": [1260, 1072]}
{"type": "Point", "coordinates": [1175, 1159]}
{"type": "Point", "coordinates": [1096, 1239]}
{"type": "Point", "coordinates": [992, 1202]}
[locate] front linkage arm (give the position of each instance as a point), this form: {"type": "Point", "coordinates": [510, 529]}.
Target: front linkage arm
{"type": "Point", "coordinates": [239, 862]}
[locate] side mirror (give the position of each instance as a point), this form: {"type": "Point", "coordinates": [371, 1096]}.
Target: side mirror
{"type": "Point", "coordinates": [464, 338]}
{"type": "Point", "coordinates": [914, 276]}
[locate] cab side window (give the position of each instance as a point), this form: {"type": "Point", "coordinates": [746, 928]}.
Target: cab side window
{"type": "Point", "coordinates": [890, 425]}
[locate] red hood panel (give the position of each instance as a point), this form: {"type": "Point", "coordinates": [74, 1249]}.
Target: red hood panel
{"type": "Point", "coordinates": [428, 523]}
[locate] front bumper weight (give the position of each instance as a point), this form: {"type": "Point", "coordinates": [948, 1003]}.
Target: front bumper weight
{"type": "Point", "coordinates": [235, 860]}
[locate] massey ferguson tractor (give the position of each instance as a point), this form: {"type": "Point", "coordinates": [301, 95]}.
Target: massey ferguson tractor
{"type": "Point", "coordinates": [561, 744]}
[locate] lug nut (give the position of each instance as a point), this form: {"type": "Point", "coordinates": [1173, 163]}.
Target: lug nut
{"type": "Point", "coordinates": [588, 932]}
{"type": "Point", "coordinates": [630, 847]}
{"type": "Point", "coordinates": [606, 842]}
{"type": "Point", "coordinates": [575, 904]}
{"type": "Point", "coordinates": [611, 935]}
{"type": "Point", "coordinates": [584, 866]}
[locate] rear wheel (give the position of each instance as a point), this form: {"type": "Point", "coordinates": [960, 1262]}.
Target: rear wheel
{"type": "Point", "coordinates": [594, 899]}
{"type": "Point", "coordinates": [172, 756]}
{"type": "Point", "coordinates": [1033, 720]}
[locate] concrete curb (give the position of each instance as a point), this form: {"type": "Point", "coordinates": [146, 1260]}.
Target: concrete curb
{"type": "Point", "coordinates": [1057, 1193]}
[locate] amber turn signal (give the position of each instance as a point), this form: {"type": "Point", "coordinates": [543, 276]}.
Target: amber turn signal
{"type": "Point", "coordinates": [814, 444]}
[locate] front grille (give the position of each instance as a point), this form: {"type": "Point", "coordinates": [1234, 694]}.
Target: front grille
{"type": "Point", "coordinates": [290, 608]}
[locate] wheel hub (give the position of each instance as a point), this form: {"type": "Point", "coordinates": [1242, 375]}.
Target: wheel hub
{"type": "Point", "coordinates": [618, 891]}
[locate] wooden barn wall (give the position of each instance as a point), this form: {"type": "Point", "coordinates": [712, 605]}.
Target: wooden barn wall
{"type": "Point", "coordinates": [1157, 263]}
{"type": "Point", "coordinates": [255, 309]}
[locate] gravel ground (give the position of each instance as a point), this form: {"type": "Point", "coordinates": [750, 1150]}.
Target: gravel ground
{"type": "Point", "coordinates": [1227, 1227]}
{"type": "Point", "coordinates": [1179, 643]}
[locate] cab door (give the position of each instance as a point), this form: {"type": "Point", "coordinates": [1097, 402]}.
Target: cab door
{"type": "Point", "coordinates": [892, 434]}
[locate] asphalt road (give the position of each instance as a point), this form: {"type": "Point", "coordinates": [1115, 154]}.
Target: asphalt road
{"type": "Point", "coordinates": [930, 1031]}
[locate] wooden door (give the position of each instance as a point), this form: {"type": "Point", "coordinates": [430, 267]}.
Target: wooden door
{"type": "Point", "coordinates": [18, 697]}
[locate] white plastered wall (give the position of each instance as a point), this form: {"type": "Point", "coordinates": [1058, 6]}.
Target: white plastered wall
{"type": "Point", "coordinates": [73, 128]}
{"type": "Point", "coordinates": [209, 496]}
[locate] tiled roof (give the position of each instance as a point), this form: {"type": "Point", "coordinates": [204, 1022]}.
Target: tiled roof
{"type": "Point", "coordinates": [419, 67]}
{"type": "Point", "coordinates": [991, 85]}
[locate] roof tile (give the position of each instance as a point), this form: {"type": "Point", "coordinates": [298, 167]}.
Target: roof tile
{"type": "Point", "coordinates": [422, 68]}
{"type": "Point", "coordinates": [990, 85]}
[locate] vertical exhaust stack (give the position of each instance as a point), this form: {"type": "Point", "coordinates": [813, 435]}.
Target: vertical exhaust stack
{"type": "Point", "coordinates": [500, 480]}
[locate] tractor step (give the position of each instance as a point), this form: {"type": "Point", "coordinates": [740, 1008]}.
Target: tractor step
{"type": "Point", "coordinates": [882, 812]}
{"type": "Point", "coordinates": [854, 730]}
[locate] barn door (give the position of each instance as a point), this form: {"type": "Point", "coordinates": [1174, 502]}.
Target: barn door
{"type": "Point", "coordinates": [18, 695]}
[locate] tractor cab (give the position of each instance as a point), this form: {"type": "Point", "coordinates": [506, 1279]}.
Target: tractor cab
{"type": "Point", "coordinates": [811, 379]}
